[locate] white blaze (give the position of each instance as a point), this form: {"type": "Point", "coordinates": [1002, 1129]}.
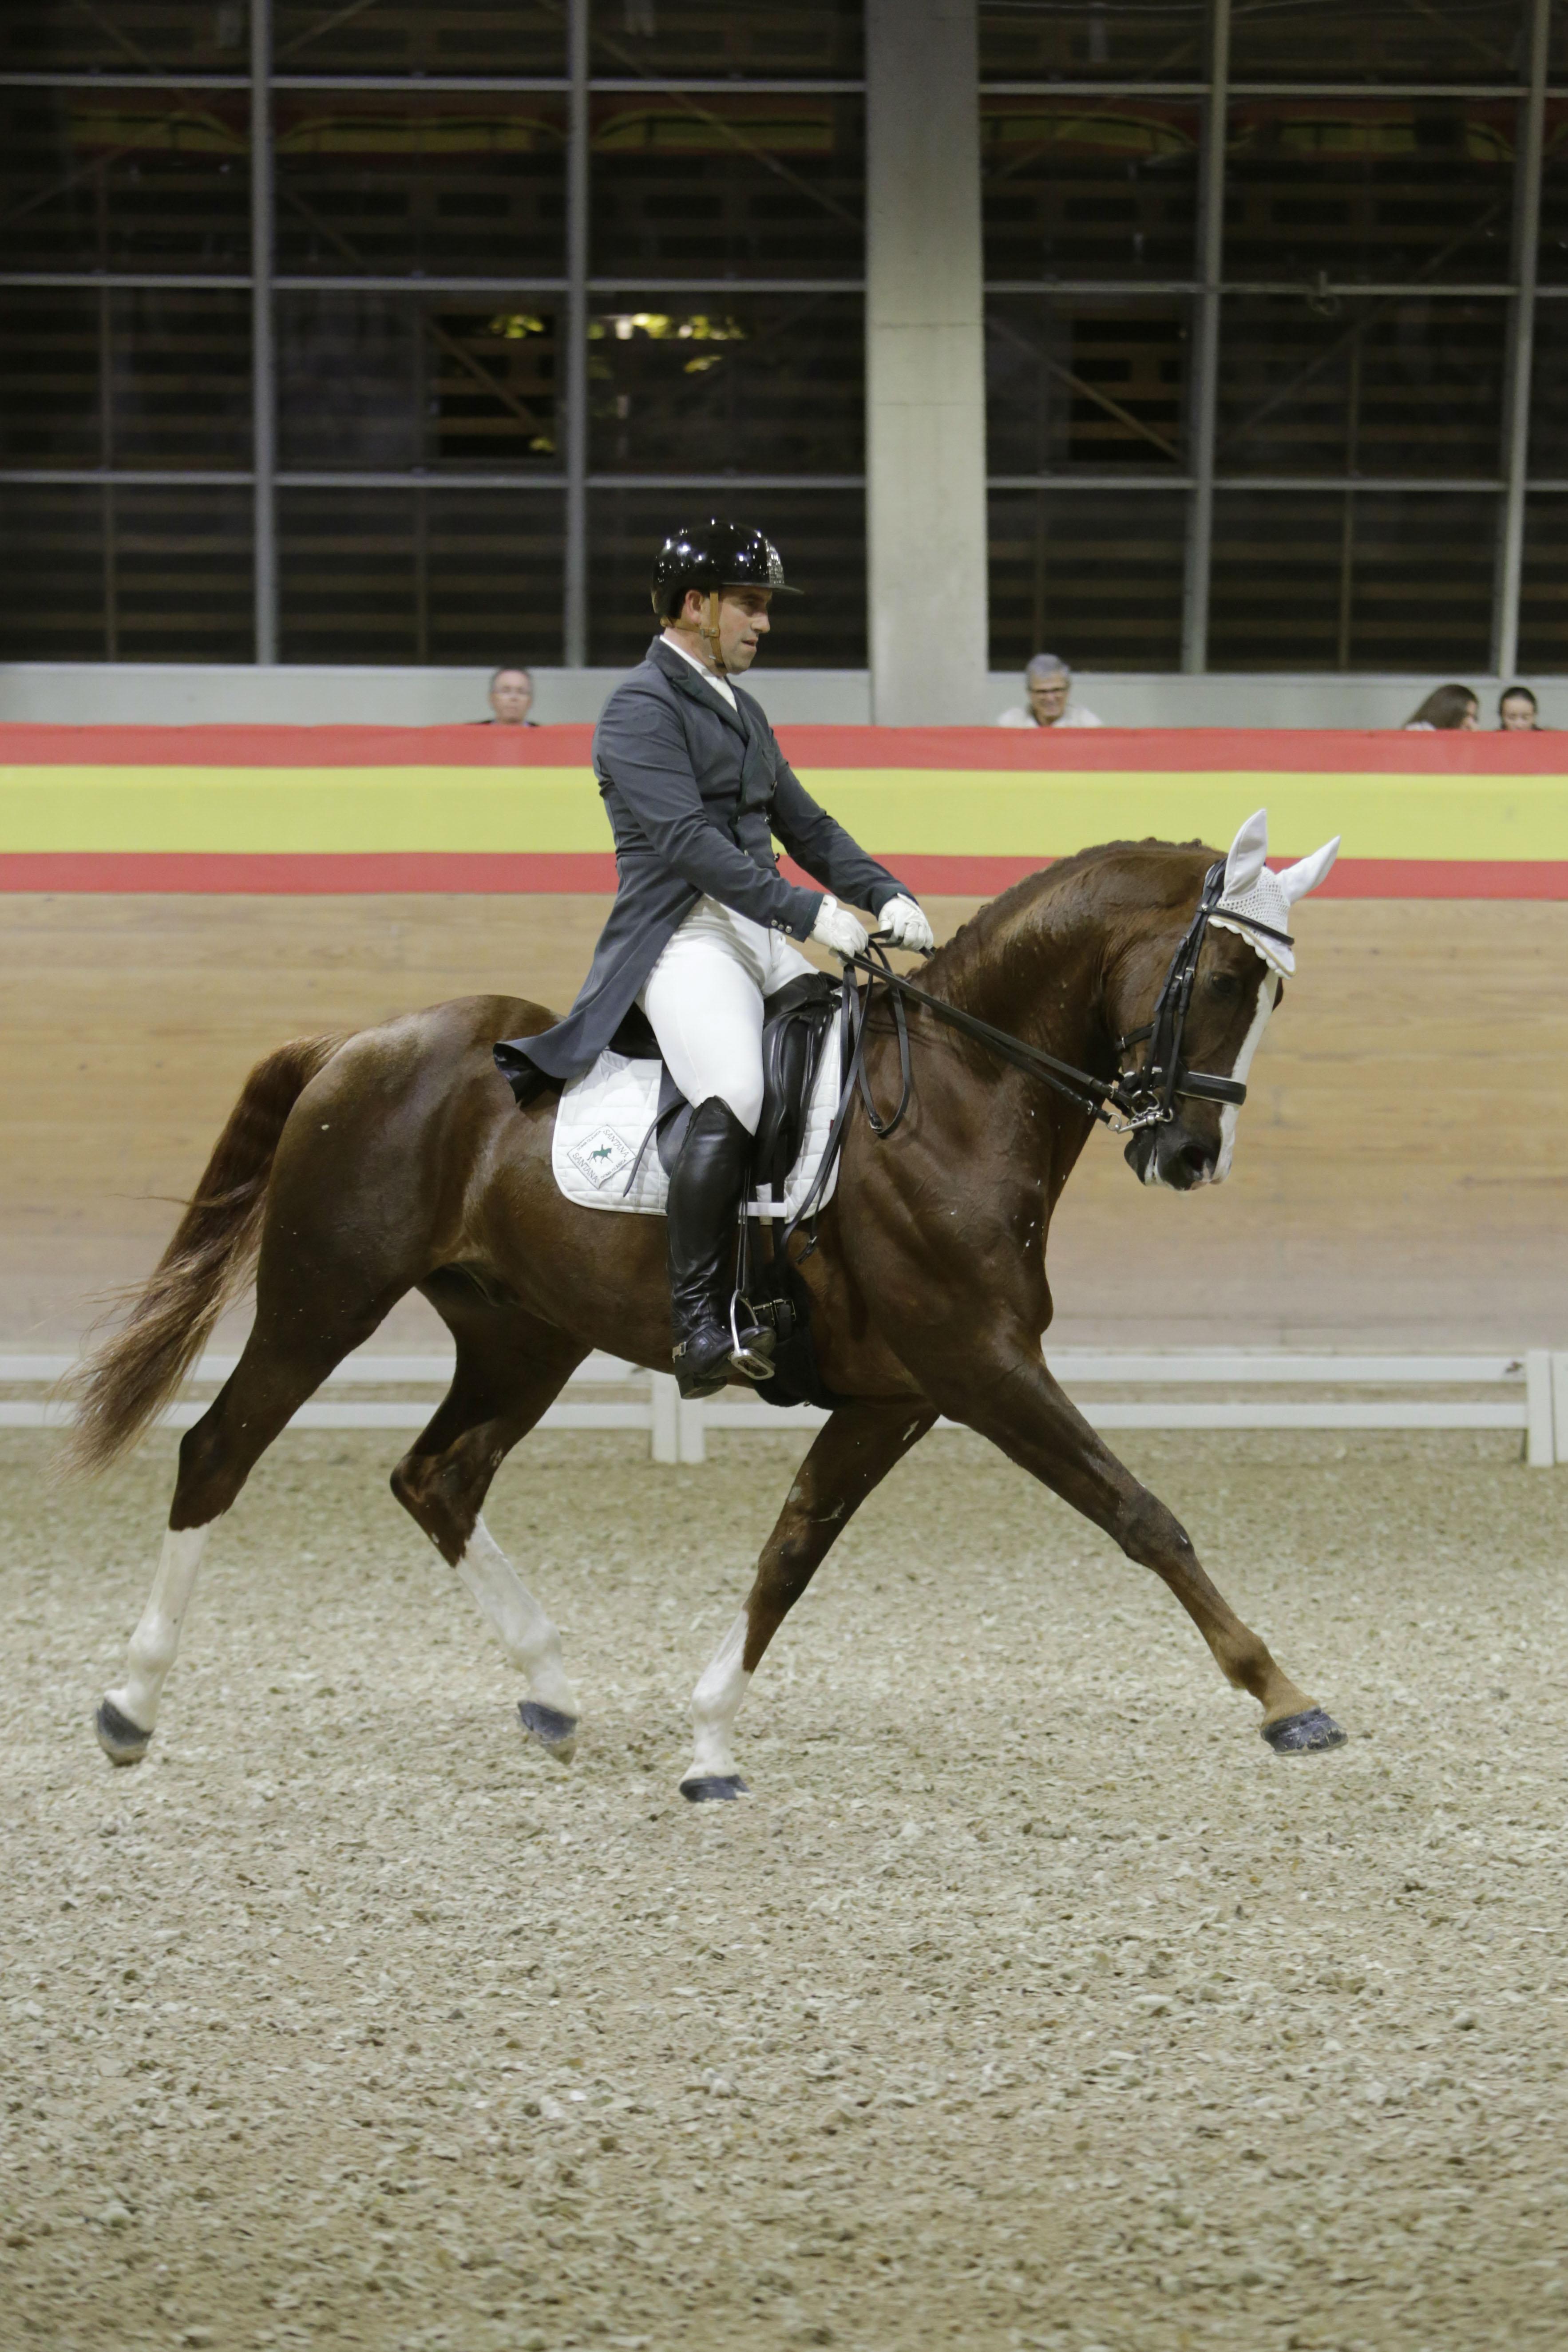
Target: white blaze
{"type": "Point", "coordinates": [1267, 990]}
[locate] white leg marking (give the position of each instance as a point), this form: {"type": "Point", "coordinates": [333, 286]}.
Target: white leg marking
{"type": "Point", "coordinates": [522, 1627]}
{"type": "Point", "coordinates": [715, 1703]}
{"type": "Point", "coordinates": [1267, 990]}
{"type": "Point", "coordinates": [157, 1637]}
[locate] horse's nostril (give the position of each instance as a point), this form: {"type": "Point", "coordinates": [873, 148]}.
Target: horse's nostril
{"type": "Point", "coordinates": [1198, 1158]}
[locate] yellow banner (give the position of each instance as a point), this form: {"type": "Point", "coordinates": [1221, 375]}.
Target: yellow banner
{"type": "Point", "coordinates": [916, 812]}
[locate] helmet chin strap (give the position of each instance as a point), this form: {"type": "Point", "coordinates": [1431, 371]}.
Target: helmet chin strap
{"type": "Point", "coordinates": [708, 631]}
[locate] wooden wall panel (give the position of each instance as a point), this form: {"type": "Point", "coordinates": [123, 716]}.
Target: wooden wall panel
{"type": "Point", "coordinates": [1400, 1175]}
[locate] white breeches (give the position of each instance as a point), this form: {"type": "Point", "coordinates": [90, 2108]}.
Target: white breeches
{"type": "Point", "coordinates": [703, 999]}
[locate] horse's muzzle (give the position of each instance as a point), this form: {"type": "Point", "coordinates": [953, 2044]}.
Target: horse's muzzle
{"type": "Point", "coordinates": [1172, 1156]}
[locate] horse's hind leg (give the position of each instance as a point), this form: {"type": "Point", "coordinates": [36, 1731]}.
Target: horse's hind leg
{"type": "Point", "coordinates": [270, 1382]}
{"type": "Point", "coordinates": [853, 1454]}
{"type": "Point", "coordinates": [509, 1370]}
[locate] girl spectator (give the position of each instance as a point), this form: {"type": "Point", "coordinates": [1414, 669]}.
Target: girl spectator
{"type": "Point", "coordinates": [1447, 706]}
{"type": "Point", "coordinates": [1516, 711]}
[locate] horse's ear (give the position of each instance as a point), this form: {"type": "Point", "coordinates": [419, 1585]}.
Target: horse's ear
{"type": "Point", "coordinates": [1308, 872]}
{"type": "Point", "coordinates": [1248, 853]}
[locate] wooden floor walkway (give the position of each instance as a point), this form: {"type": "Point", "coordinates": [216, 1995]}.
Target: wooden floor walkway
{"type": "Point", "coordinates": [1401, 1178]}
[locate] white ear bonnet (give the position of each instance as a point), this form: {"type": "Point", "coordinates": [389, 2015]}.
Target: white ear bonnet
{"type": "Point", "coordinates": [1254, 895]}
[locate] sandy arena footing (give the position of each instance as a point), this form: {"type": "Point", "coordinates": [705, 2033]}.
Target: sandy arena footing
{"type": "Point", "coordinates": [1029, 2001]}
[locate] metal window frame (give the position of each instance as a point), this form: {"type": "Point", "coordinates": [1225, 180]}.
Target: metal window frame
{"type": "Point", "coordinates": [1508, 586]}
{"type": "Point", "coordinates": [1206, 288]}
{"type": "Point", "coordinates": [1202, 388]}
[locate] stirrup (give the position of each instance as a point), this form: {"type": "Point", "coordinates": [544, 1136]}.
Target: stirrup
{"type": "Point", "coordinates": [748, 1362]}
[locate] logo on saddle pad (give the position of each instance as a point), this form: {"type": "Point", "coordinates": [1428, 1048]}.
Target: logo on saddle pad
{"type": "Point", "coordinates": [603, 1156]}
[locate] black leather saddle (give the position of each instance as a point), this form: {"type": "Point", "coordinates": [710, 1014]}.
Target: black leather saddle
{"type": "Point", "coordinates": [797, 1028]}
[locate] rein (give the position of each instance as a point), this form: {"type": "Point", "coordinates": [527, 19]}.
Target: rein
{"type": "Point", "coordinates": [1144, 1096]}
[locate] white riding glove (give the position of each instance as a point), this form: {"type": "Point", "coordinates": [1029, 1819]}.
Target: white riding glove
{"type": "Point", "coordinates": [838, 931]}
{"type": "Point", "coordinates": [903, 923]}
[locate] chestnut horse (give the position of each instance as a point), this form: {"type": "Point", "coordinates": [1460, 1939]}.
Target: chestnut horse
{"type": "Point", "coordinates": [354, 1169]}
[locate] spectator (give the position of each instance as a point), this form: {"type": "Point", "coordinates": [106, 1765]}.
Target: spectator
{"type": "Point", "coordinates": [1448, 706]}
{"type": "Point", "coordinates": [1516, 711]}
{"type": "Point", "coordinates": [512, 692]}
{"type": "Point", "coordinates": [1047, 683]}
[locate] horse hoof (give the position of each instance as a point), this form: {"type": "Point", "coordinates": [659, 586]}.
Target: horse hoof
{"type": "Point", "coordinates": [713, 1787]}
{"type": "Point", "coordinates": [1304, 1734]}
{"type": "Point", "coordinates": [122, 1741]}
{"type": "Point", "coordinates": [556, 1733]}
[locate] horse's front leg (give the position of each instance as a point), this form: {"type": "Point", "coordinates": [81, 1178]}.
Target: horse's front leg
{"type": "Point", "coordinates": [1016, 1402]}
{"type": "Point", "coordinates": [853, 1453]}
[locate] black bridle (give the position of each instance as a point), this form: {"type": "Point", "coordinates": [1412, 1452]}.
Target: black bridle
{"type": "Point", "coordinates": [1143, 1096]}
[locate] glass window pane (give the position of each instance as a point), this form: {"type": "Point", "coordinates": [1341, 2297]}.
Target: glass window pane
{"type": "Point", "coordinates": [474, 36]}
{"type": "Point", "coordinates": [1371, 191]}
{"type": "Point", "coordinates": [181, 565]}
{"type": "Point", "coordinates": [1092, 575]}
{"type": "Point", "coordinates": [693, 186]}
{"type": "Point", "coordinates": [821, 535]}
{"type": "Point", "coordinates": [466, 186]}
{"type": "Point", "coordinates": [1368, 580]}
{"type": "Point", "coordinates": [1379, 40]}
{"type": "Point", "coordinates": [1553, 246]}
{"type": "Point", "coordinates": [419, 576]}
{"type": "Point", "coordinates": [738, 36]}
{"type": "Point", "coordinates": [766, 384]}
{"type": "Point", "coordinates": [1543, 586]}
{"type": "Point", "coordinates": [1089, 40]}
{"type": "Point", "coordinates": [52, 582]}
{"type": "Point", "coordinates": [1329, 386]}
{"type": "Point", "coordinates": [125, 179]}
{"type": "Point", "coordinates": [379, 381]}
{"type": "Point", "coordinates": [179, 376]}
{"type": "Point", "coordinates": [1549, 396]}
{"type": "Point", "coordinates": [164, 36]}
{"type": "Point", "coordinates": [175, 391]}
{"type": "Point", "coordinates": [50, 412]}
{"type": "Point", "coordinates": [496, 573]}
{"type": "Point", "coordinates": [1091, 188]}
{"type": "Point", "coordinates": [1083, 383]}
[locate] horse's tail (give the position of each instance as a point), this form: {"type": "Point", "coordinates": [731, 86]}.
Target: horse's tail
{"type": "Point", "coordinates": [118, 1388]}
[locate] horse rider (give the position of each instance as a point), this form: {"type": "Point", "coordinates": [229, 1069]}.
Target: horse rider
{"type": "Point", "coordinates": [702, 927]}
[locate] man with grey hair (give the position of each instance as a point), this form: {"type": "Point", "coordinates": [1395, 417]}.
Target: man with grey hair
{"type": "Point", "coordinates": [1048, 682]}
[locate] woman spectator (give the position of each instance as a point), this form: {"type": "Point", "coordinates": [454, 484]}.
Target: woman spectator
{"type": "Point", "coordinates": [1447, 706]}
{"type": "Point", "coordinates": [1516, 711]}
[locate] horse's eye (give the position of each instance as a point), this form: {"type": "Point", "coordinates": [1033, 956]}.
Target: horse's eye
{"type": "Point", "coordinates": [1224, 985]}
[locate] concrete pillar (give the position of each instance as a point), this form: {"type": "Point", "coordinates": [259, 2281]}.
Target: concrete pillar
{"type": "Point", "coordinates": [925, 365]}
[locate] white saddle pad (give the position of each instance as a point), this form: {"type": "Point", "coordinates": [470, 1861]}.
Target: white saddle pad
{"type": "Point", "coordinates": [604, 1117]}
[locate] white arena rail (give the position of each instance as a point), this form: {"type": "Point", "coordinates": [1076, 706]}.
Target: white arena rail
{"type": "Point", "coordinates": [1534, 1400]}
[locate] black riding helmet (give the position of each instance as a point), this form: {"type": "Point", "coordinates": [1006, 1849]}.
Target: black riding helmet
{"type": "Point", "coordinates": [715, 556]}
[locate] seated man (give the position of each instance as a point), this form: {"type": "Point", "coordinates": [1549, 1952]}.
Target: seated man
{"type": "Point", "coordinates": [512, 696]}
{"type": "Point", "coordinates": [1047, 683]}
{"type": "Point", "coordinates": [696, 787]}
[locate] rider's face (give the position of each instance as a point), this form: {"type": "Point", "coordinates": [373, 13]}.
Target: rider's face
{"type": "Point", "coordinates": [743, 623]}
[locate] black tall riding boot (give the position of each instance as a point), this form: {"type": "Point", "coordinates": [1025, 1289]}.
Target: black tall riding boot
{"type": "Point", "coordinates": [704, 1196]}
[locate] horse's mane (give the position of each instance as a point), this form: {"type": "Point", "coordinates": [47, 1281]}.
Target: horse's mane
{"type": "Point", "coordinates": [997, 933]}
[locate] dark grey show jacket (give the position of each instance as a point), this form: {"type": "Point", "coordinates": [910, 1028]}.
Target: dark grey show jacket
{"type": "Point", "coordinates": [695, 796]}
